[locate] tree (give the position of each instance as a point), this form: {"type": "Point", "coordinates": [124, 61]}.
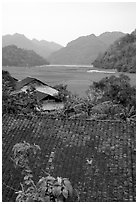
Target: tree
{"type": "Point", "coordinates": [23, 102]}
{"type": "Point", "coordinates": [8, 80]}
{"type": "Point", "coordinates": [110, 98]}
{"type": "Point", "coordinates": [117, 98]}
{"type": "Point", "coordinates": [117, 89]}
{"type": "Point", "coordinates": [48, 188]}
{"type": "Point", "coordinates": [63, 92]}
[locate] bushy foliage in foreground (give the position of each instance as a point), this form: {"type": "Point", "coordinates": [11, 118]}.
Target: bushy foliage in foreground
{"type": "Point", "coordinates": [8, 80]}
{"type": "Point", "coordinates": [47, 189]}
{"type": "Point", "coordinates": [116, 89]}
{"type": "Point", "coordinates": [24, 102]}
{"type": "Point", "coordinates": [63, 92]}
{"type": "Point", "coordinates": [110, 98]}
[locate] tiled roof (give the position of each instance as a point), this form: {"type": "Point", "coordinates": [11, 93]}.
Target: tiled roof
{"type": "Point", "coordinates": [41, 95]}
{"type": "Point", "coordinates": [26, 81]}
{"type": "Point", "coordinates": [98, 157]}
{"type": "Point", "coordinates": [44, 96]}
{"type": "Point", "coordinates": [44, 88]}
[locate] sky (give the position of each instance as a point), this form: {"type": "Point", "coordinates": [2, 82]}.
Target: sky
{"type": "Point", "coordinates": [64, 21]}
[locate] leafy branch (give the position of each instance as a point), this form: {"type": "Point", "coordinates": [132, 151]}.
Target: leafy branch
{"type": "Point", "coordinates": [47, 189]}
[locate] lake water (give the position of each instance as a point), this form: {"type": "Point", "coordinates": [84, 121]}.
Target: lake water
{"type": "Point", "coordinates": [77, 77]}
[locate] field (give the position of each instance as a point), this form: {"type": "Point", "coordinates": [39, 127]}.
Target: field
{"type": "Point", "coordinates": [98, 157]}
{"type": "Point", "coordinates": [76, 77]}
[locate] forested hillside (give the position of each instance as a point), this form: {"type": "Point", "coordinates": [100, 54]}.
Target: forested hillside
{"type": "Point", "coordinates": [14, 56]}
{"type": "Point", "coordinates": [121, 55]}
{"type": "Point", "coordinates": [84, 49]}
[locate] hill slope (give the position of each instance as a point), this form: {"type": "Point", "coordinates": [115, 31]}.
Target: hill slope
{"type": "Point", "coordinates": [14, 56]}
{"type": "Point", "coordinates": [121, 55]}
{"type": "Point", "coordinates": [42, 48]}
{"type": "Point", "coordinates": [84, 49]}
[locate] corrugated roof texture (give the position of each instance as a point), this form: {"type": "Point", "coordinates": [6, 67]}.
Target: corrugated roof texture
{"type": "Point", "coordinates": [98, 157]}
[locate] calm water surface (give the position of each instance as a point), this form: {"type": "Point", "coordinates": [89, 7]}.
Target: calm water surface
{"type": "Point", "coordinates": [77, 77]}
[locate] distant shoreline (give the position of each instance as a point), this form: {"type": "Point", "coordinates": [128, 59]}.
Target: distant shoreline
{"type": "Point", "coordinates": [100, 71]}
{"type": "Point", "coordinates": [91, 69]}
{"type": "Point", "coordinates": [67, 65]}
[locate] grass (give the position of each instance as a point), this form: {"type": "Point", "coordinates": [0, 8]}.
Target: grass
{"type": "Point", "coordinates": [77, 78]}
{"type": "Point", "coordinates": [98, 157]}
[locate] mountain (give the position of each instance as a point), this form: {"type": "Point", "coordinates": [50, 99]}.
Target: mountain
{"type": "Point", "coordinates": [84, 49]}
{"type": "Point", "coordinates": [42, 47]}
{"type": "Point", "coordinates": [52, 46]}
{"type": "Point", "coordinates": [109, 37]}
{"type": "Point", "coordinates": [121, 55]}
{"type": "Point", "coordinates": [14, 56]}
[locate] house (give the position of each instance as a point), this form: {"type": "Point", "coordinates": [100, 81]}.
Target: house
{"type": "Point", "coordinates": [27, 82]}
{"type": "Point", "coordinates": [37, 84]}
{"type": "Point", "coordinates": [46, 94]}
{"type": "Point", "coordinates": [49, 102]}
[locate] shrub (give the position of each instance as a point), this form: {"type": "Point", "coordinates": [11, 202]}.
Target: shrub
{"type": "Point", "coordinates": [47, 189]}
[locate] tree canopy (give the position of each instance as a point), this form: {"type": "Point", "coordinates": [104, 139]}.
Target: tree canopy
{"type": "Point", "coordinates": [116, 89]}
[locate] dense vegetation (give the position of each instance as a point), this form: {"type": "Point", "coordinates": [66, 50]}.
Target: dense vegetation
{"type": "Point", "coordinates": [116, 89]}
{"type": "Point", "coordinates": [24, 102]}
{"type": "Point", "coordinates": [97, 156]}
{"type": "Point", "coordinates": [7, 80]}
{"type": "Point", "coordinates": [121, 55]}
{"type": "Point", "coordinates": [14, 56]}
{"type": "Point", "coordinates": [110, 98]}
{"type": "Point", "coordinates": [63, 92]}
{"type": "Point", "coordinates": [48, 188]}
